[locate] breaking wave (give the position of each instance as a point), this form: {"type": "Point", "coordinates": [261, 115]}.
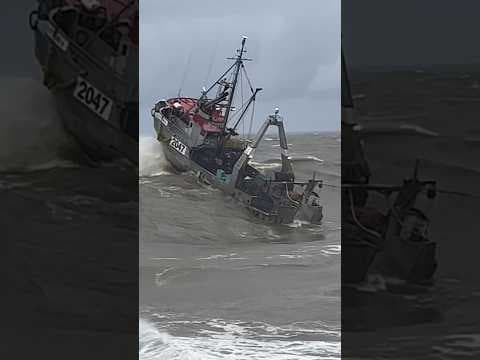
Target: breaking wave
{"type": "Point", "coordinates": [396, 128]}
{"type": "Point", "coordinates": [31, 133]}
{"type": "Point", "coordinates": [152, 162]}
{"type": "Point", "coordinates": [306, 158]}
{"type": "Point", "coordinates": [293, 158]}
{"type": "Point", "coordinates": [229, 341]}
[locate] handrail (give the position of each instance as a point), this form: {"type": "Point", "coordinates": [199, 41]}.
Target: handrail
{"type": "Point", "coordinates": [293, 182]}
{"type": "Point", "coordinates": [354, 216]}
{"type": "Point", "coordinates": [99, 63]}
{"type": "Point", "coordinates": [297, 203]}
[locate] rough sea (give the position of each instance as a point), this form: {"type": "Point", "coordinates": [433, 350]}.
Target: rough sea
{"type": "Point", "coordinates": [68, 232]}
{"type": "Point", "coordinates": [217, 284]}
{"type": "Point", "coordinates": [431, 115]}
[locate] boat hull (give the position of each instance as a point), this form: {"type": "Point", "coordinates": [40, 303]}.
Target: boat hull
{"type": "Point", "coordinates": [178, 161]}
{"type": "Point", "coordinates": [182, 163]}
{"type": "Point", "coordinates": [392, 257]}
{"type": "Point", "coordinates": [99, 139]}
{"type": "Point", "coordinates": [357, 257]}
{"type": "Point", "coordinates": [102, 137]}
{"type": "Point", "coordinates": [312, 214]}
{"type": "Point", "coordinates": [414, 261]}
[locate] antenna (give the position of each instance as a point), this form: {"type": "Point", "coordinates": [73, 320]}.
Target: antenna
{"type": "Point", "coordinates": [238, 64]}
{"type": "Point", "coordinates": [204, 92]}
{"type": "Point", "coordinates": [187, 69]}
{"type": "Point", "coordinates": [212, 57]}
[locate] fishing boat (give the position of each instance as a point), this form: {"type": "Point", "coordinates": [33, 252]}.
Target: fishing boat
{"type": "Point", "coordinates": [392, 240]}
{"type": "Point", "coordinates": [88, 52]}
{"type": "Point", "coordinates": [201, 135]}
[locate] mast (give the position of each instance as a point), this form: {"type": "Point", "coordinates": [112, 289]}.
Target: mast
{"type": "Point", "coordinates": [347, 101]}
{"type": "Point", "coordinates": [238, 64]}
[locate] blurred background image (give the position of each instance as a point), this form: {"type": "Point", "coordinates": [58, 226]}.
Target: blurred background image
{"type": "Point", "coordinates": [69, 207]}
{"type": "Point", "coordinates": [414, 80]}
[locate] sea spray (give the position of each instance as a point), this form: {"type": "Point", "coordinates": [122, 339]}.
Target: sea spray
{"type": "Point", "coordinates": [152, 161]}
{"type": "Point", "coordinates": [31, 133]}
{"type": "Point", "coordinates": [157, 345]}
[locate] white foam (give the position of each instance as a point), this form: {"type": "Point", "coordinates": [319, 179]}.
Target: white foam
{"type": "Point", "coordinates": [306, 158]}
{"type": "Point", "coordinates": [229, 342]}
{"type": "Point", "coordinates": [373, 283]}
{"type": "Point", "coordinates": [333, 249]}
{"type": "Point", "coordinates": [31, 132]}
{"type": "Point", "coordinates": [265, 166]}
{"type": "Point", "coordinates": [297, 223]}
{"type": "Point", "coordinates": [213, 257]}
{"type": "Point", "coordinates": [220, 256]}
{"type": "Point", "coordinates": [159, 281]}
{"type": "Point", "coordinates": [459, 345]}
{"type": "Point", "coordinates": [395, 128]}
{"type": "Point", "coordinates": [152, 161]}
{"type": "Point", "coordinates": [418, 129]}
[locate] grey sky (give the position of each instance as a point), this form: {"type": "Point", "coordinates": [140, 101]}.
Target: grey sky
{"type": "Point", "coordinates": [295, 46]}
{"type": "Point", "coordinates": [410, 32]}
{"type": "Point", "coordinates": [17, 39]}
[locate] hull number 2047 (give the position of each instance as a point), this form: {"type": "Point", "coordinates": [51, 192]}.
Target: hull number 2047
{"type": "Point", "coordinates": [177, 145]}
{"type": "Point", "coordinates": [93, 98]}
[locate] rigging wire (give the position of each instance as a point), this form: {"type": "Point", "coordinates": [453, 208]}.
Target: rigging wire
{"type": "Point", "coordinates": [213, 58]}
{"type": "Point", "coordinates": [359, 224]}
{"type": "Point", "coordinates": [238, 111]}
{"type": "Point", "coordinates": [241, 107]}
{"type": "Point", "coordinates": [253, 105]}
{"type": "Point", "coordinates": [187, 68]}
{"type": "Point", "coordinates": [251, 121]}
{"type": "Point", "coordinates": [241, 93]}
{"type": "Point", "coordinates": [248, 79]}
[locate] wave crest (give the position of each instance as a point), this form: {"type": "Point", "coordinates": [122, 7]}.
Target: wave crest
{"type": "Point", "coordinates": [31, 132]}
{"type": "Point", "coordinates": [227, 340]}
{"type": "Point", "coordinates": [152, 162]}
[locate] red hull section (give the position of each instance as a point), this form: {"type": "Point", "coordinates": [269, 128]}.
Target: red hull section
{"type": "Point", "coordinates": [115, 8]}
{"type": "Point", "coordinates": [210, 123]}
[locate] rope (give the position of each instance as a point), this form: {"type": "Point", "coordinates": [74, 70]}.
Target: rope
{"type": "Point", "coordinates": [241, 93]}
{"type": "Point", "coordinates": [367, 230]}
{"type": "Point", "coordinates": [242, 106]}
{"type": "Point", "coordinates": [396, 215]}
{"type": "Point", "coordinates": [253, 105]}
{"type": "Point", "coordinates": [251, 121]}
{"type": "Point", "coordinates": [248, 79]}
{"type": "Point", "coordinates": [238, 112]}
{"type": "Point", "coordinates": [297, 203]}
{"type": "Point", "coordinates": [212, 58]}
{"type": "Point", "coordinates": [187, 68]}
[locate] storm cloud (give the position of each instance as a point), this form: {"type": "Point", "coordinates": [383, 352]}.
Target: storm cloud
{"type": "Point", "coordinates": [295, 47]}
